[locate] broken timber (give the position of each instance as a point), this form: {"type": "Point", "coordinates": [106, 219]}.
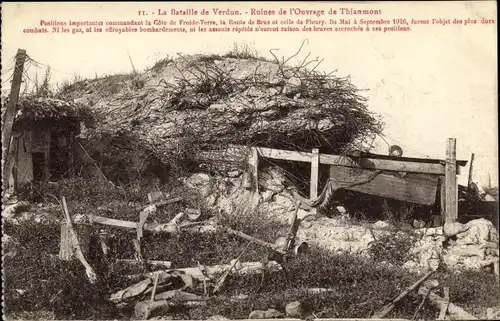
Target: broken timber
{"type": "Point", "coordinates": [389, 307]}
{"type": "Point", "coordinates": [456, 312]}
{"type": "Point", "coordinates": [197, 274]}
{"type": "Point", "coordinates": [133, 225]}
{"type": "Point", "coordinates": [76, 246]}
{"type": "Point", "coordinates": [255, 240]}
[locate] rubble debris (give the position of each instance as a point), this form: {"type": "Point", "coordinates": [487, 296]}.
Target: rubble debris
{"type": "Point", "coordinates": [294, 309]}
{"type": "Point", "coordinates": [197, 274]}
{"type": "Point", "coordinates": [455, 312]}
{"type": "Point", "coordinates": [267, 314]}
{"type": "Point", "coordinates": [143, 309]}
{"type": "Point", "coordinates": [453, 228]}
{"type": "Point", "coordinates": [154, 263]}
{"type": "Point", "coordinates": [144, 286]}
{"type": "Point", "coordinates": [493, 313]}
{"type": "Point", "coordinates": [155, 197]}
{"type": "Point", "coordinates": [389, 307]}
{"type": "Point", "coordinates": [178, 296]}
{"type": "Point", "coordinates": [299, 247]}
{"type": "Point", "coordinates": [9, 246]}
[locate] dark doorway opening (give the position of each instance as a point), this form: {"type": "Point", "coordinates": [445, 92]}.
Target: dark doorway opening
{"type": "Point", "coordinates": [39, 166]}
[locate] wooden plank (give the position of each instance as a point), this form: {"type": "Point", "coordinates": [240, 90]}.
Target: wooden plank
{"type": "Point", "coordinates": [9, 117]}
{"type": "Point", "coordinates": [367, 162]}
{"type": "Point", "coordinates": [451, 181]}
{"type": "Point", "coordinates": [120, 223]}
{"type": "Point", "coordinates": [345, 161]}
{"type": "Point", "coordinates": [411, 187]}
{"type": "Point", "coordinates": [383, 164]}
{"type": "Point", "coordinates": [284, 154]}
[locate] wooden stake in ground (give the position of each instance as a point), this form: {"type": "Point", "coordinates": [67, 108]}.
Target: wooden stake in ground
{"type": "Point", "coordinates": [74, 239]}
{"type": "Point", "coordinates": [10, 114]}
{"type": "Point", "coordinates": [294, 227]}
{"type": "Point", "coordinates": [389, 307]}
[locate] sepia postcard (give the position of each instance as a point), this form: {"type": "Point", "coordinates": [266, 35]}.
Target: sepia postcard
{"type": "Point", "coordinates": [329, 160]}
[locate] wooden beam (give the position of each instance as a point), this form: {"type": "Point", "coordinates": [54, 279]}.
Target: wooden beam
{"type": "Point", "coordinates": [10, 114]}
{"type": "Point", "coordinates": [346, 161]}
{"type": "Point", "coordinates": [451, 181]}
{"type": "Point", "coordinates": [383, 164]}
{"type": "Point", "coordinates": [132, 226]}
{"type": "Point", "coordinates": [284, 154]}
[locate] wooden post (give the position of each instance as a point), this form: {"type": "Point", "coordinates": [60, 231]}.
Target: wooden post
{"type": "Point", "coordinates": [313, 192]}
{"type": "Point", "coordinates": [254, 165]}
{"type": "Point", "coordinates": [10, 113]}
{"type": "Point", "coordinates": [469, 181]}
{"type": "Point", "coordinates": [442, 196]}
{"type": "Point", "coordinates": [451, 181]}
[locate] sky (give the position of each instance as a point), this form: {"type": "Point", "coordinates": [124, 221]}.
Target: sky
{"type": "Point", "coordinates": [429, 84]}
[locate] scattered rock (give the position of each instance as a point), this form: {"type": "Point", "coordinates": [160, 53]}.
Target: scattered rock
{"type": "Point", "coordinates": [10, 246]}
{"type": "Point", "coordinates": [454, 228]}
{"type": "Point", "coordinates": [294, 309]}
{"type": "Point", "coordinates": [381, 225]}
{"type": "Point", "coordinates": [234, 174]}
{"type": "Point", "coordinates": [341, 209]}
{"type": "Point", "coordinates": [268, 314]}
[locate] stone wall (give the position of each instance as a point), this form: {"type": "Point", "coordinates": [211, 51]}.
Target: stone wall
{"type": "Point", "coordinates": [476, 245]}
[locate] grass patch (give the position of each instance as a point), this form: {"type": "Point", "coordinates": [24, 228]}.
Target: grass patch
{"type": "Point", "coordinates": [359, 287]}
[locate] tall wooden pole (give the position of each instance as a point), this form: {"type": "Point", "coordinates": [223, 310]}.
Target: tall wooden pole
{"type": "Point", "coordinates": [451, 181]}
{"type": "Point", "coordinates": [469, 181]}
{"type": "Point", "coordinates": [313, 191]}
{"type": "Point", "coordinates": [10, 113]}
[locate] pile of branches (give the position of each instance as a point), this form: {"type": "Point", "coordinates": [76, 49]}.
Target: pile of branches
{"type": "Point", "coordinates": [205, 103]}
